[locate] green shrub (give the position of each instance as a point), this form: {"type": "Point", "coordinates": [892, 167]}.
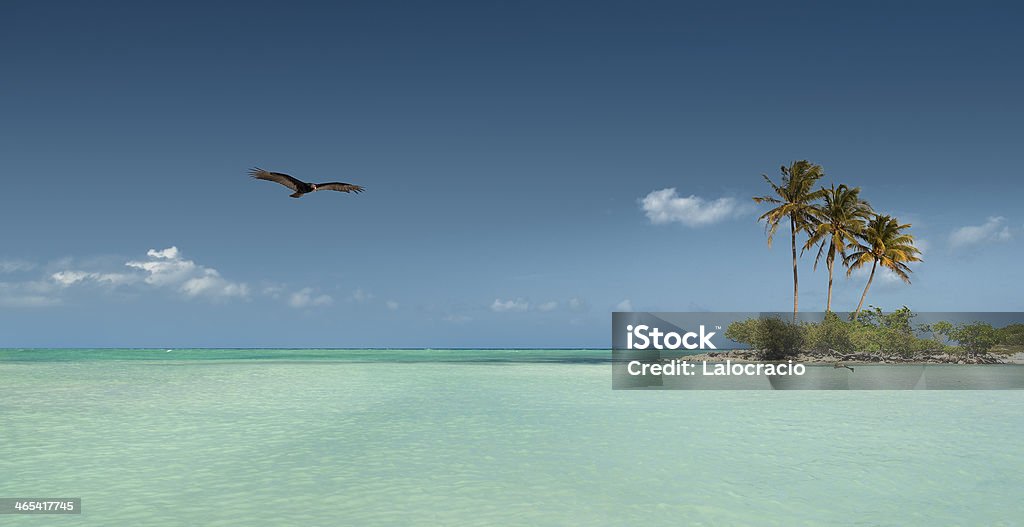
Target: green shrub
{"type": "Point", "coordinates": [977, 337]}
{"type": "Point", "coordinates": [1012, 335]}
{"type": "Point", "coordinates": [778, 339]}
{"type": "Point", "coordinates": [873, 332]}
{"type": "Point", "coordinates": [743, 331]}
{"type": "Point", "coordinates": [973, 338]}
{"type": "Point", "coordinates": [831, 334]}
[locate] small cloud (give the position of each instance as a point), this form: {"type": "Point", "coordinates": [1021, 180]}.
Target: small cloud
{"type": "Point", "coordinates": [69, 278]}
{"type": "Point", "coordinates": [66, 278]}
{"type": "Point", "coordinates": [273, 291]}
{"type": "Point", "coordinates": [33, 294]}
{"type": "Point", "coordinates": [165, 267]}
{"type": "Point", "coordinates": [170, 253]}
{"type": "Point", "coordinates": [305, 297]}
{"type": "Point", "coordinates": [548, 306]}
{"type": "Point", "coordinates": [392, 305]}
{"type": "Point", "coordinates": [15, 266]}
{"type": "Point", "coordinates": [503, 306]}
{"type": "Point", "coordinates": [577, 304]}
{"type": "Point", "coordinates": [302, 298]}
{"type": "Point", "coordinates": [993, 230]}
{"type": "Point", "coordinates": [28, 301]}
{"type": "Point", "coordinates": [882, 276]}
{"type": "Point", "coordinates": [212, 284]}
{"type": "Point", "coordinates": [361, 296]}
{"type": "Point", "coordinates": [666, 206]}
{"type": "Point", "coordinates": [922, 245]}
{"type": "Point", "coordinates": [457, 319]}
{"type": "Point", "coordinates": [625, 305]}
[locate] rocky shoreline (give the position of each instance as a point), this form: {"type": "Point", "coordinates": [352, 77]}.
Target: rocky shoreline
{"type": "Point", "coordinates": [831, 358]}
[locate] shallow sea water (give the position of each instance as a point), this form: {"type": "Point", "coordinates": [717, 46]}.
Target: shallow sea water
{"type": "Point", "coordinates": [179, 440]}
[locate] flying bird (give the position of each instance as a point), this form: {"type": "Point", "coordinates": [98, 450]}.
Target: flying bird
{"type": "Point", "coordinates": [301, 187]}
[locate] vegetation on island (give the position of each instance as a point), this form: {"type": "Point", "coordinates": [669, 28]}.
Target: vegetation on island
{"type": "Point", "coordinates": [876, 336]}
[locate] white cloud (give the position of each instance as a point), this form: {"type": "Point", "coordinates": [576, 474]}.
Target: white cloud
{"type": "Point", "coordinates": [666, 206]}
{"type": "Point", "coordinates": [993, 230]}
{"type": "Point", "coordinates": [170, 253]}
{"type": "Point", "coordinates": [577, 304]}
{"type": "Point", "coordinates": [66, 278]}
{"type": "Point", "coordinates": [167, 268]}
{"type": "Point", "coordinates": [27, 294]}
{"type": "Point", "coordinates": [14, 266]}
{"type": "Point", "coordinates": [361, 296]}
{"type": "Point", "coordinates": [28, 301]}
{"type": "Point", "coordinates": [625, 305]}
{"type": "Point", "coordinates": [882, 275]}
{"type": "Point", "coordinates": [457, 319]}
{"type": "Point", "coordinates": [161, 269]}
{"type": "Point", "coordinates": [299, 299]}
{"type": "Point", "coordinates": [306, 298]}
{"type": "Point", "coordinates": [548, 306]}
{"type": "Point", "coordinates": [503, 306]}
{"type": "Point", "coordinates": [71, 277]}
{"type": "Point", "coordinates": [273, 291]}
{"type": "Point", "coordinates": [392, 305]}
{"type": "Point", "coordinates": [922, 245]}
{"type": "Point", "coordinates": [211, 284]}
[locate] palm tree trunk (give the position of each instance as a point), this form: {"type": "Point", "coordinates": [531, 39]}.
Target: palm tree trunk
{"type": "Point", "coordinates": [828, 299]}
{"type": "Point", "coordinates": [870, 277]}
{"type": "Point", "coordinates": [796, 281]}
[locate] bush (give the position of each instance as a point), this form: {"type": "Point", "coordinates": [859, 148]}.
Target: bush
{"type": "Point", "coordinates": [975, 338]}
{"type": "Point", "coordinates": [743, 331]}
{"type": "Point", "coordinates": [898, 340]}
{"type": "Point", "coordinates": [777, 339]}
{"type": "Point", "coordinates": [1012, 335]}
{"type": "Point", "coordinates": [831, 334]}
{"type": "Point", "coordinates": [867, 338]}
{"type": "Point", "coordinates": [880, 332]}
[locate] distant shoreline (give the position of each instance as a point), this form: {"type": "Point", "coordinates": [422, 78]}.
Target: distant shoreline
{"type": "Point", "coordinates": [828, 359]}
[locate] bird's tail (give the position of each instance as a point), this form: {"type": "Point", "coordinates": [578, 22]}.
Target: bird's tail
{"type": "Point", "coordinates": [296, 195]}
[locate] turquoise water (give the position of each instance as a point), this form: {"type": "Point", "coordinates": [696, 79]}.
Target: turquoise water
{"type": "Point", "coordinates": [486, 437]}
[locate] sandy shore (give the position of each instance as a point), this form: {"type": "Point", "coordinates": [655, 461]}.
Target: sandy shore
{"type": "Point", "coordinates": [817, 358]}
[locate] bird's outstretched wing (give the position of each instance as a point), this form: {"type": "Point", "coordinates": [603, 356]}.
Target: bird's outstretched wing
{"type": "Point", "coordinates": [276, 177]}
{"type": "Point", "coordinates": [340, 187]}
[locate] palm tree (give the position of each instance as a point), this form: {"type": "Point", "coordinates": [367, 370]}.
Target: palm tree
{"type": "Point", "coordinates": [837, 221]}
{"type": "Point", "coordinates": [794, 196]}
{"type": "Point", "coordinates": [885, 243]}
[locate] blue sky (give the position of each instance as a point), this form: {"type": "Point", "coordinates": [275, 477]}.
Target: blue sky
{"type": "Point", "coordinates": [506, 148]}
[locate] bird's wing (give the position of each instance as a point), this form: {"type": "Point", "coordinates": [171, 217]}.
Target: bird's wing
{"type": "Point", "coordinates": [276, 177]}
{"type": "Point", "coordinates": [340, 187]}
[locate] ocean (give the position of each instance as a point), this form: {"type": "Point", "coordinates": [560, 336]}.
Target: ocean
{"type": "Point", "coordinates": [484, 437]}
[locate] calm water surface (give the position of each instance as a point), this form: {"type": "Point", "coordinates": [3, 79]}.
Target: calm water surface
{"type": "Point", "coordinates": [463, 437]}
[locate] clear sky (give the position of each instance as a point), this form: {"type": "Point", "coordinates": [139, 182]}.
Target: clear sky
{"type": "Point", "coordinates": [506, 148]}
